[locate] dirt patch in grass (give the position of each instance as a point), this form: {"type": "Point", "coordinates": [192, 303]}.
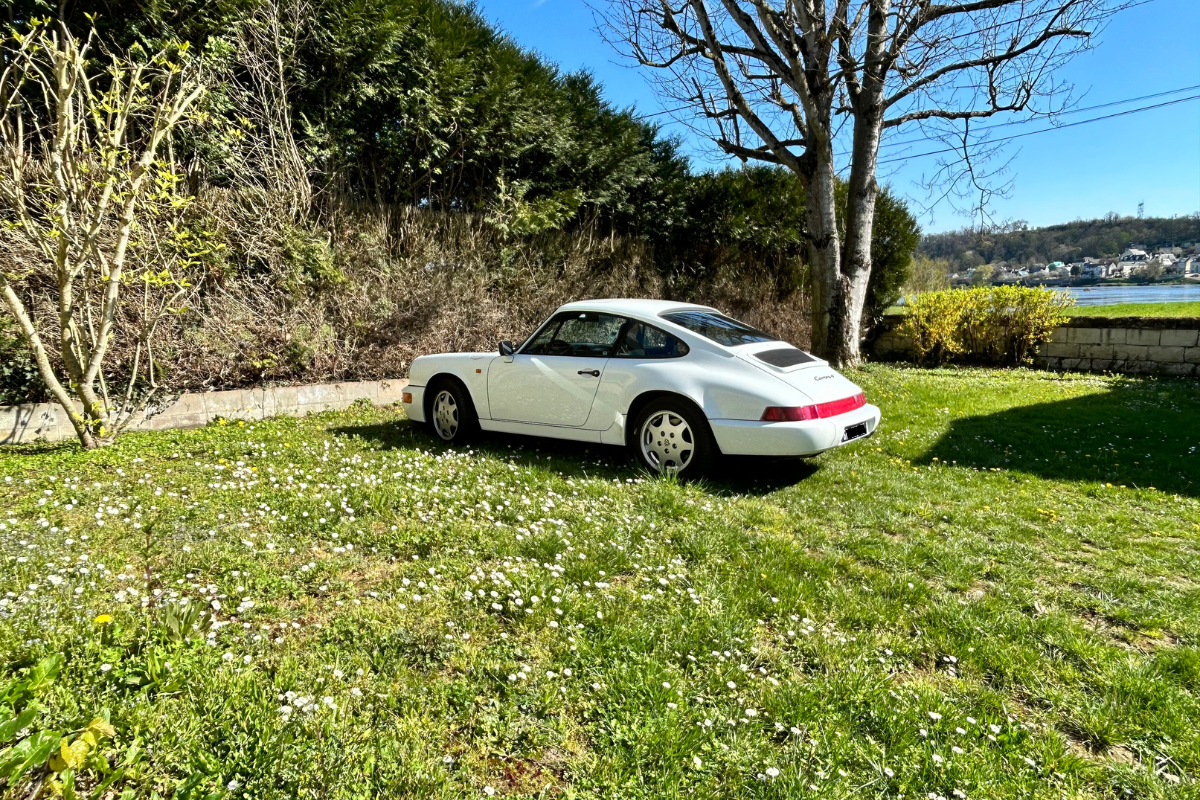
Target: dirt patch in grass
{"type": "Point", "coordinates": [1115, 754]}
{"type": "Point", "coordinates": [1124, 636]}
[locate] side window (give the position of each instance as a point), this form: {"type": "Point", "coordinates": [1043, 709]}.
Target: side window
{"type": "Point", "coordinates": [585, 333]}
{"type": "Point", "coordinates": [646, 341]}
{"type": "Point", "coordinates": [540, 345]}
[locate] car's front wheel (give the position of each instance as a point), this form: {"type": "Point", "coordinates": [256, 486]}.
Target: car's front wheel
{"type": "Point", "coordinates": [670, 436]}
{"type": "Point", "coordinates": [452, 414]}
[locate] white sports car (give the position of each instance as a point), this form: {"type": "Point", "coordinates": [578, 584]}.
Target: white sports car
{"type": "Point", "coordinates": [677, 383]}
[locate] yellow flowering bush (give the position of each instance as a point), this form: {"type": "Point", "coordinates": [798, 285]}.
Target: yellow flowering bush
{"type": "Point", "coordinates": [998, 325]}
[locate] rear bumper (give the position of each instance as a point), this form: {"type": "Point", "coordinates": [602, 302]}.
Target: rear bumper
{"type": "Point", "coordinates": [754, 438]}
{"type": "Point", "coordinates": [415, 410]}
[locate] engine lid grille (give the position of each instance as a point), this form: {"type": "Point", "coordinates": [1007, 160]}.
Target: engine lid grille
{"type": "Point", "coordinates": [784, 357]}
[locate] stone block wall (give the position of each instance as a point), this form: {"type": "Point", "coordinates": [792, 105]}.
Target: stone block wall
{"type": "Point", "coordinates": [1134, 345]}
{"type": "Point", "coordinates": [48, 422]}
{"type": "Point", "coordinates": [889, 345]}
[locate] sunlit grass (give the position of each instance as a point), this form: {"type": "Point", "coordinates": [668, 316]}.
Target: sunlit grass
{"type": "Point", "coordinates": [995, 596]}
{"type": "Point", "coordinates": [1137, 310]}
{"type": "Point", "coordinates": [1182, 309]}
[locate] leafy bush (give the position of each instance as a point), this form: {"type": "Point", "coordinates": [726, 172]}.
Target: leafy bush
{"type": "Point", "coordinates": [1002, 325]}
{"type": "Point", "coordinates": [514, 215]}
{"type": "Point", "coordinates": [20, 381]}
{"type": "Point", "coordinates": [309, 260]}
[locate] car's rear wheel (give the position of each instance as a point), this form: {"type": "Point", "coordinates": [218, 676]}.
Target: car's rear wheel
{"type": "Point", "coordinates": [671, 437]}
{"type": "Point", "coordinates": [452, 414]}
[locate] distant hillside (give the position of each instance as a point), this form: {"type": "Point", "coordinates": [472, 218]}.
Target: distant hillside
{"type": "Point", "coordinates": [1016, 243]}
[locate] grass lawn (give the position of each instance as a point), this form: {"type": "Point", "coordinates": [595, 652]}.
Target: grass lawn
{"type": "Point", "coordinates": [1137, 310]}
{"type": "Point", "coordinates": [996, 596]}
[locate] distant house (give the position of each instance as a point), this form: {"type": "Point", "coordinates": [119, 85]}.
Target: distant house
{"type": "Point", "coordinates": [1171, 264]}
{"type": "Point", "coordinates": [1132, 261]}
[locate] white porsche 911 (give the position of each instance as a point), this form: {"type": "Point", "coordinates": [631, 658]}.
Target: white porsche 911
{"type": "Point", "coordinates": [677, 383]}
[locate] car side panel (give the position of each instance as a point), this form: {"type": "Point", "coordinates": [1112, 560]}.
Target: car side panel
{"type": "Point", "coordinates": [470, 368]}
{"type": "Point", "coordinates": [722, 386]}
{"type": "Point", "coordinates": [544, 390]}
{"type": "Point", "coordinates": [534, 429]}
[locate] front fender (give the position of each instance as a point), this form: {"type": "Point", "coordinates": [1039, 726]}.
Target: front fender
{"type": "Point", "coordinates": [469, 368]}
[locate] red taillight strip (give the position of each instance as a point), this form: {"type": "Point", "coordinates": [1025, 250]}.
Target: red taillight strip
{"type": "Point", "coordinates": [819, 411]}
{"type": "Point", "coordinates": [835, 407]}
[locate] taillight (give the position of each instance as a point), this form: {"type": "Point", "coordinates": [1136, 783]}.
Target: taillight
{"type": "Point", "coordinates": [844, 406]}
{"type": "Point", "coordinates": [793, 414]}
{"type": "Point", "coordinates": [819, 411]}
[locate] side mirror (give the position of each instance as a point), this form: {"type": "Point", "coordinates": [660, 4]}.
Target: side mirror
{"type": "Point", "coordinates": [506, 348]}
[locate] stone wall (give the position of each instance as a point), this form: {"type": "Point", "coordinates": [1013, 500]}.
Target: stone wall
{"type": "Point", "coordinates": [888, 344]}
{"type": "Point", "coordinates": [48, 422]}
{"type": "Point", "coordinates": [1124, 344]}
{"type": "Point", "coordinates": [1135, 345]}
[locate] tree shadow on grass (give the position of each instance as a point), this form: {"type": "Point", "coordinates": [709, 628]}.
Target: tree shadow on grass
{"type": "Point", "coordinates": [729, 475]}
{"type": "Point", "coordinates": [1140, 434]}
{"type": "Point", "coordinates": [399, 434]}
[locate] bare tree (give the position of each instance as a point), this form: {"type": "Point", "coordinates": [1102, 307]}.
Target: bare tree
{"type": "Point", "coordinates": [784, 81]}
{"type": "Point", "coordinates": [266, 51]}
{"type": "Point", "coordinates": [83, 198]}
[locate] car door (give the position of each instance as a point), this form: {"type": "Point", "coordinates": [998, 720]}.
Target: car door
{"type": "Point", "coordinates": [553, 379]}
{"type": "Point", "coordinates": [640, 362]}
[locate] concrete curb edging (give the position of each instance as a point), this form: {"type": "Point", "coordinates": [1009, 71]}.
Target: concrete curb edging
{"type": "Point", "coordinates": [48, 423]}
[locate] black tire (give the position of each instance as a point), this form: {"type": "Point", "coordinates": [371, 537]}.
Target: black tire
{"type": "Point", "coordinates": [671, 436]}
{"type": "Point", "coordinates": [451, 414]}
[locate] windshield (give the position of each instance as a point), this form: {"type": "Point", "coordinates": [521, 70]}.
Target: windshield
{"type": "Point", "coordinates": [718, 327]}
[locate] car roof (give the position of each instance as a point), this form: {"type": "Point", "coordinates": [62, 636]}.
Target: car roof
{"type": "Point", "coordinates": [638, 307]}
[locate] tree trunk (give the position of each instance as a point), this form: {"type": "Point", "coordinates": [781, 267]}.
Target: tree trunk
{"type": "Point", "coordinates": [44, 368]}
{"type": "Point", "coordinates": [862, 192]}
{"type": "Point", "coordinates": [841, 264]}
{"type": "Point", "coordinates": [829, 308]}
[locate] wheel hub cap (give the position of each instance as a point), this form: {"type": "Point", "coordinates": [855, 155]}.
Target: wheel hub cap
{"type": "Point", "coordinates": [667, 442]}
{"type": "Point", "coordinates": [445, 415]}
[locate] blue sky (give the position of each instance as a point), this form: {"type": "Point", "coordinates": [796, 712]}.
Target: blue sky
{"type": "Point", "coordinates": [1080, 172]}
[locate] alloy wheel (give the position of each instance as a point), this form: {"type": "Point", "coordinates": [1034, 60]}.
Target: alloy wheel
{"type": "Point", "coordinates": [445, 415]}
{"type": "Point", "coordinates": [667, 442]}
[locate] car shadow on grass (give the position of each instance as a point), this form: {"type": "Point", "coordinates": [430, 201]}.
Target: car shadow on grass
{"type": "Point", "coordinates": [729, 474]}
{"type": "Point", "coordinates": [1139, 434]}
{"type": "Point", "coordinates": [758, 475]}
{"type": "Point", "coordinates": [572, 459]}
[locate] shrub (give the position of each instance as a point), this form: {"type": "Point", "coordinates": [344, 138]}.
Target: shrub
{"type": "Point", "coordinates": [1001, 325]}
{"type": "Point", "coordinates": [20, 381]}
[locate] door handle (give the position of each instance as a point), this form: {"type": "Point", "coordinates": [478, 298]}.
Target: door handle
{"type": "Point", "coordinates": [595, 373]}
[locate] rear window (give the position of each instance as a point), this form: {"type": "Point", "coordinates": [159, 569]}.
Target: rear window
{"type": "Point", "coordinates": [718, 327]}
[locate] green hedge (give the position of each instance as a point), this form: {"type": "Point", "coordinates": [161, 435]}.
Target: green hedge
{"type": "Point", "coordinates": [1001, 325]}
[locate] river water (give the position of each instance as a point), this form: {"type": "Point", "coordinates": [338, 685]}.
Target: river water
{"type": "Point", "coordinates": [1111, 295]}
